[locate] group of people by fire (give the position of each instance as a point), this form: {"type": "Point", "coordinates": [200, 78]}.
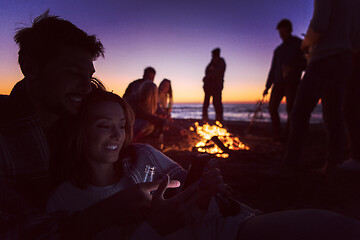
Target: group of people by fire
{"type": "Point", "coordinates": [72, 165]}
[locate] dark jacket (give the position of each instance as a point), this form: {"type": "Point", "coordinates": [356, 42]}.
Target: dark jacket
{"type": "Point", "coordinates": [214, 75]}
{"type": "Point", "coordinates": [287, 54]}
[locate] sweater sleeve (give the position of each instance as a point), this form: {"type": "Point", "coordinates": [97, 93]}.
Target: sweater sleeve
{"type": "Point", "coordinates": [147, 155]}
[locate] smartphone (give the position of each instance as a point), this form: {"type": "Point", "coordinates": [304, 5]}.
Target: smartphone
{"type": "Point", "coordinates": [196, 169]}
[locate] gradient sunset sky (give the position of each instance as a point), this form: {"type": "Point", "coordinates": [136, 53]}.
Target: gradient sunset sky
{"type": "Point", "coordinates": [175, 37]}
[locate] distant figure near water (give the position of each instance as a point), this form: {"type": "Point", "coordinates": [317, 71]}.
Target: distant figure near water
{"type": "Point", "coordinates": [213, 85]}
{"type": "Point", "coordinates": [287, 65]}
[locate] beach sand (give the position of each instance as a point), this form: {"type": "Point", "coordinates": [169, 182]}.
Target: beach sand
{"type": "Point", "coordinates": [244, 171]}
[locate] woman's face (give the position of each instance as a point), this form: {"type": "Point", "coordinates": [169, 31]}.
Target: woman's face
{"type": "Point", "coordinates": [106, 133]}
{"type": "Point", "coordinates": [164, 87]}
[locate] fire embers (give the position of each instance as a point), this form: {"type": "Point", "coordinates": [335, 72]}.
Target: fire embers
{"type": "Point", "coordinates": [216, 140]}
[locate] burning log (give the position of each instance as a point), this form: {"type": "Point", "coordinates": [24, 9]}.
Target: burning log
{"type": "Point", "coordinates": [219, 143]}
{"type": "Point", "coordinates": [225, 142]}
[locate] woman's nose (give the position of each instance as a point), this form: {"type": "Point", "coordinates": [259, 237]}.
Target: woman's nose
{"type": "Point", "coordinates": [115, 134]}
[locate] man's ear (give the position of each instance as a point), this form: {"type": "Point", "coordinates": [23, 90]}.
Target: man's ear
{"type": "Point", "coordinates": [29, 67]}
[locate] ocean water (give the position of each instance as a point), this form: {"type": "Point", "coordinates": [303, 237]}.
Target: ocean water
{"type": "Point", "coordinates": [237, 112]}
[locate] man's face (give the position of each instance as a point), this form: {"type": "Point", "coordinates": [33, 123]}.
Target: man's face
{"type": "Point", "coordinates": [149, 76]}
{"type": "Point", "coordinates": [284, 33]}
{"type": "Point", "coordinates": [63, 81]}
{"type": "Point", "coordinates": [215, 55]}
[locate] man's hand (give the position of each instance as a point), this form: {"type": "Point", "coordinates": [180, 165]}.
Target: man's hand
{"type": "Point", "coordinates": [131, 204]}
{"type": "Point", "coordinates": [306, 48]}
{"type": "Point", "coordinates": [311, 38]}
{"type": "Point", "coordinates": [266, 91]}
{"type": "Point", "coordinates": [305, 45]}
{"type": "Point", "coordinates": [169, 215]}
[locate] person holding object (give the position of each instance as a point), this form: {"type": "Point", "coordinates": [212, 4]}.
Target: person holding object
{"type": "Point", "coordinates": [287, 65]}
{"type": "Point", "coordinates": [100, 166]}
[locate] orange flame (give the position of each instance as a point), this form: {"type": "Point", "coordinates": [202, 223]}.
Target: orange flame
{"type": "Point", "coordinates": [206, 132]}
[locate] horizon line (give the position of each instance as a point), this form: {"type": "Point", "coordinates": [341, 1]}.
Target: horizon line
{"type": "Point", "coordinates": [227, 102]}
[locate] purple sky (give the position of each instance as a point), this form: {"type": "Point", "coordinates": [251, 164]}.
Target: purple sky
{"type": "Point", "coordinates": [175, 37]}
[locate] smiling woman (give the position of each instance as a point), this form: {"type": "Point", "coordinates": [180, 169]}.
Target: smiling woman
{"type": "Point", "coordinates": [98, 161]}
{"type": "Point", "coordinates": [106, 133]}
{"type": "Point", "coordinates": [98, 138]}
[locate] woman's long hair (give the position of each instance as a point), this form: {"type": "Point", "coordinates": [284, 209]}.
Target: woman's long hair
{"type": "Point", "coordinates": [169, 94]}
{"type": "Point", "coordinates": [75, 166]}
{"type": "Point", "coordinates": [147, 97]}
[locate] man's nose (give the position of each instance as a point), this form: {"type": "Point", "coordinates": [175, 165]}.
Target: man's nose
{"type": "Point", "coordinates": [85, 85]}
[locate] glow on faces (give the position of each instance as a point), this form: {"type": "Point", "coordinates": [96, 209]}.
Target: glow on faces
{"type": "Point", "coordinates": [106, 133]}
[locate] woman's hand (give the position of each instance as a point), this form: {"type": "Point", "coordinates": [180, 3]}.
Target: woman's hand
{"type": "Point", "coordinates": [211, 183]}
{"type": "Point", "coordinates": [169, 215]}
{"type": "Point", "coordinates": [131, 205]}
{"type": "Point", "coordinates": [135, 201]}
{"type": "Point", "coordinates": [125, 207]}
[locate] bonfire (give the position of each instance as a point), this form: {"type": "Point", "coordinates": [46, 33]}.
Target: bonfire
{"type": "Point", "coordinates": [216, 140]}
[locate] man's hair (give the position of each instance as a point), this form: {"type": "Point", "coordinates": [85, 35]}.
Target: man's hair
{"type": "Point", "coordinates": [284, 23]}
{"type": "Point", "coordinates": [216, 51]}
{"type": "Point", "coordinates": [48, 33]}
{"type": "Point", "coordinates": [149, 70]}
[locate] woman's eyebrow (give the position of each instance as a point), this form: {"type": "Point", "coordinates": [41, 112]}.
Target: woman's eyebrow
{"type": "Point", "coordinates": [106, 118]}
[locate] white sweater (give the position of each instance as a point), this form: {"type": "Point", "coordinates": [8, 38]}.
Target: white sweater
{"type": "Point", "coordinates": [72, 199]}
{"type": "Point", "coordinates": [209, 225]}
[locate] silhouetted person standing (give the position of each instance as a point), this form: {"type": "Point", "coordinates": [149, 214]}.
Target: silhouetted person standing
{"type": "Point", "coordinates": [133, 88]}
{"type": "Point", "coordinates": [213, 85]}
{"type": "Point", "coordinates": [352, 114]}
{"type": "Point", "coordinates": [287, 65]}
{"type": "Point", "coordinates": [329, 43]}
